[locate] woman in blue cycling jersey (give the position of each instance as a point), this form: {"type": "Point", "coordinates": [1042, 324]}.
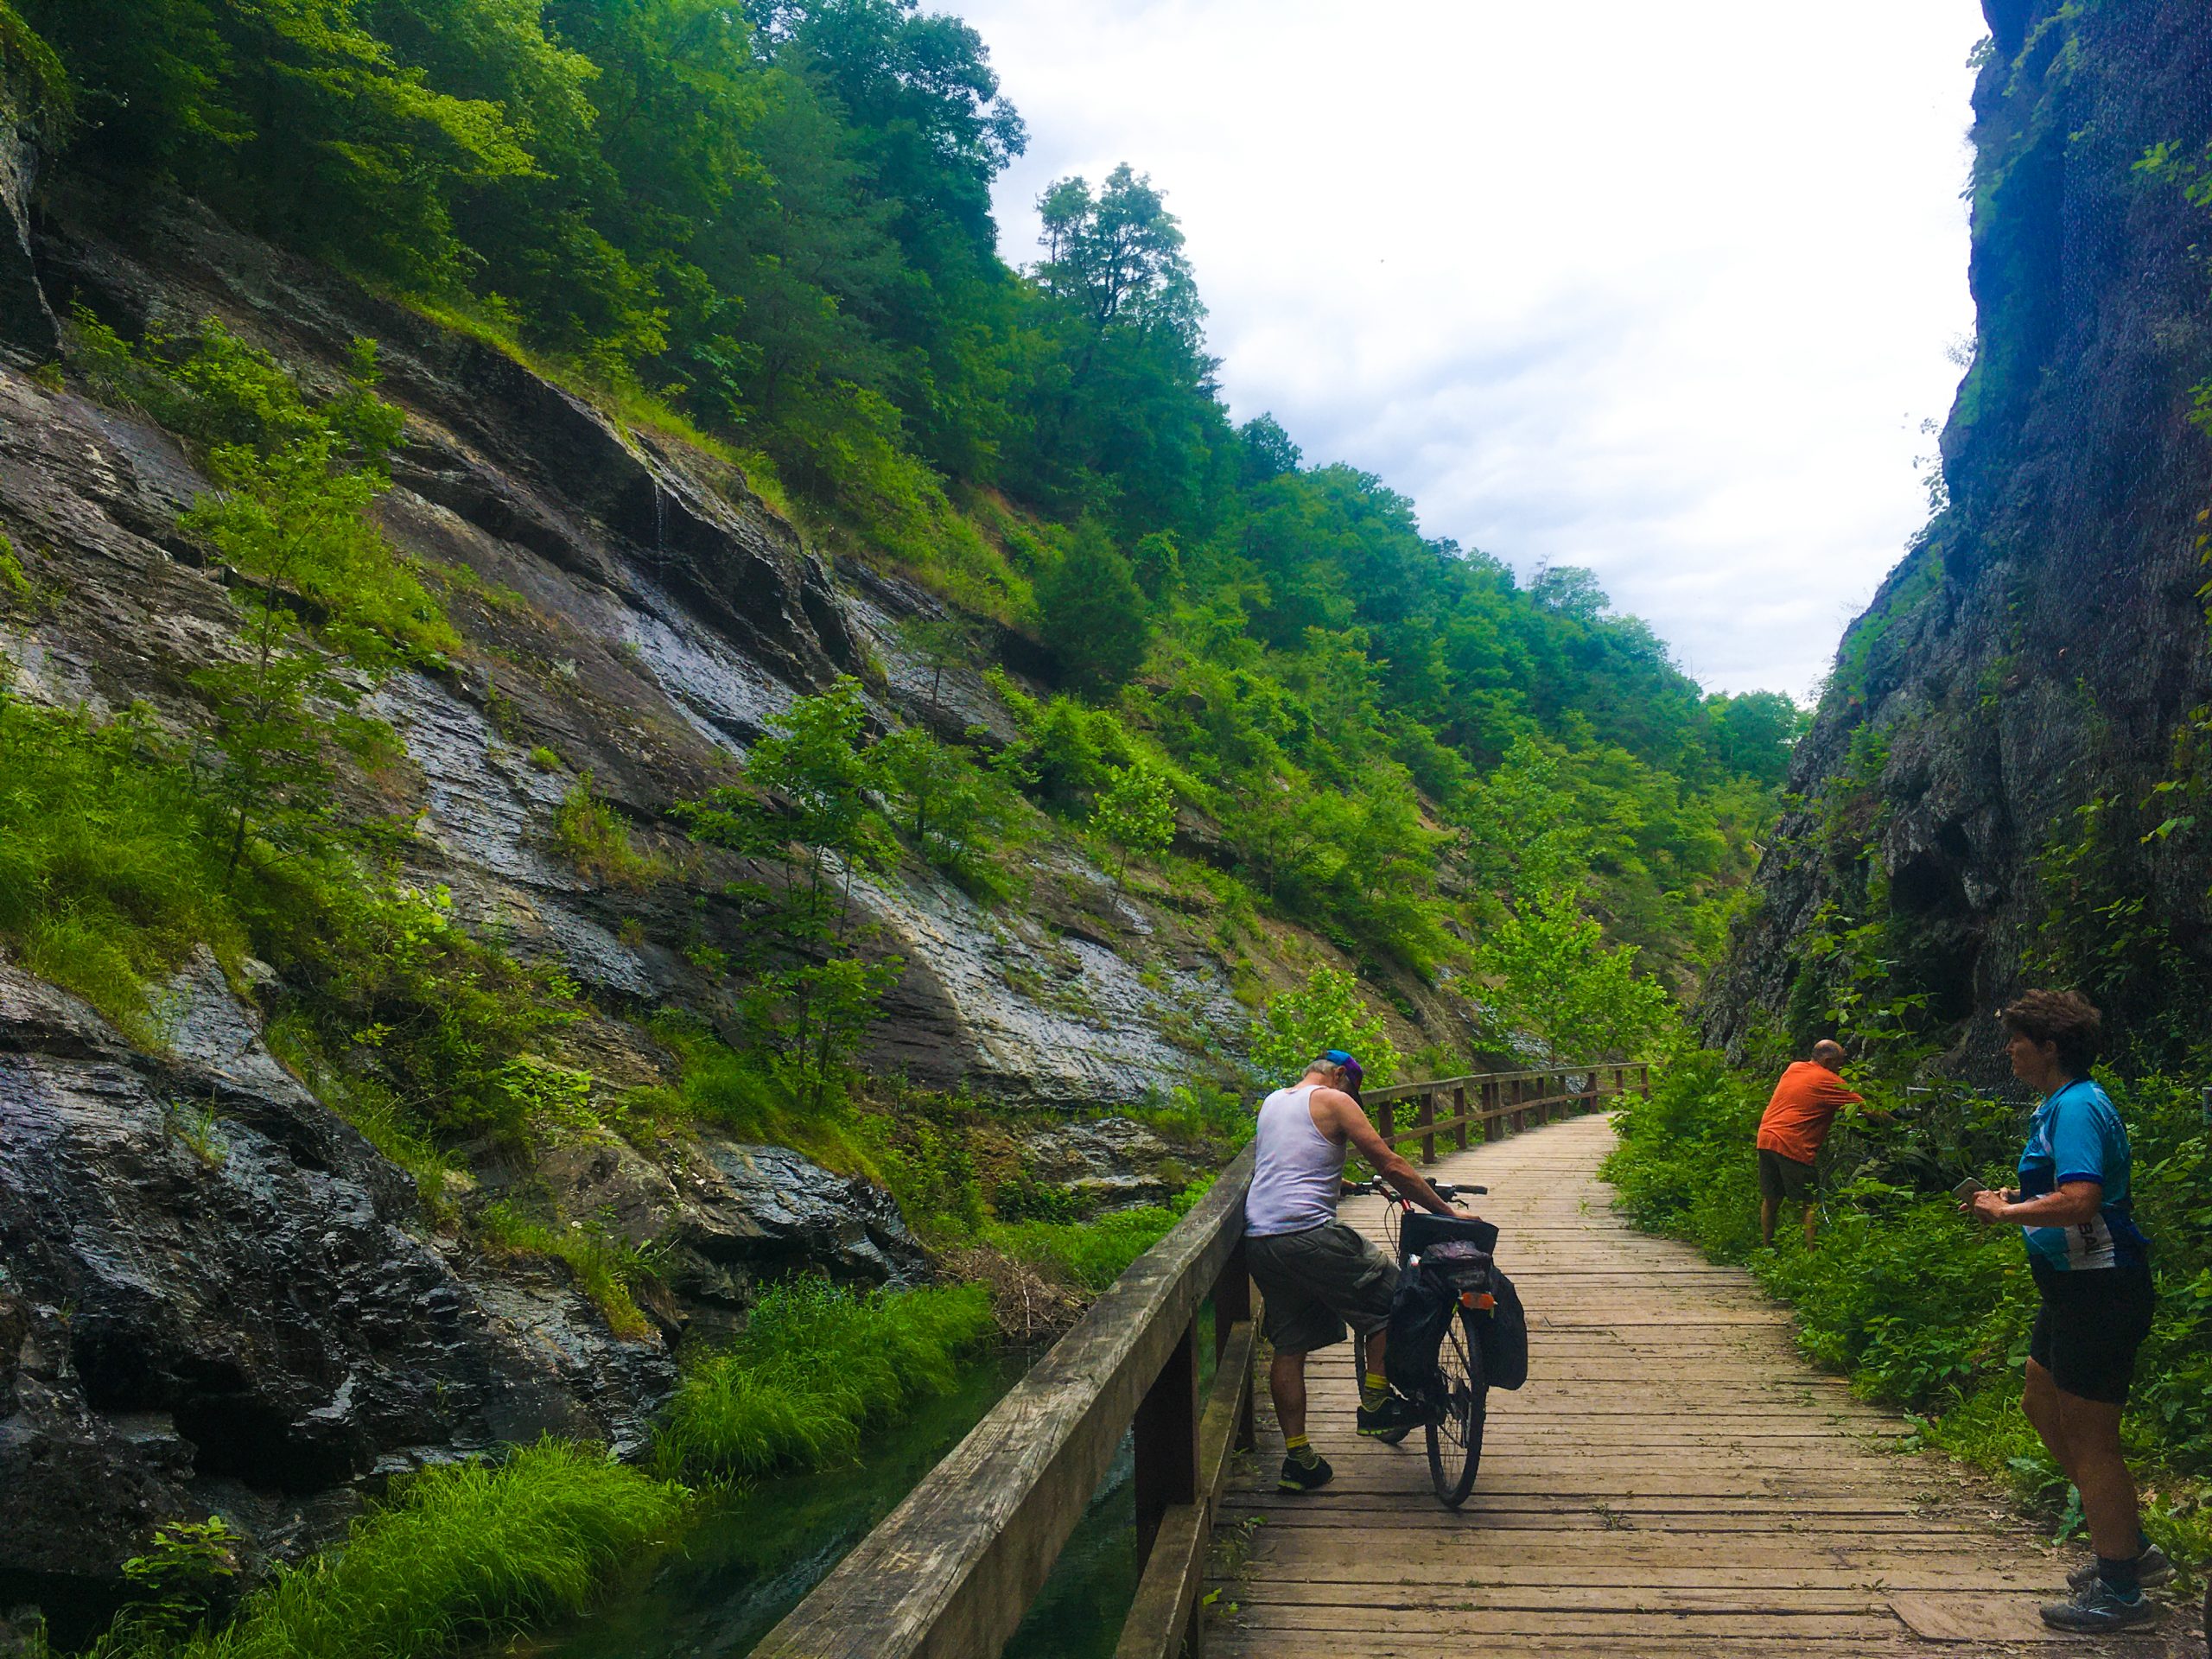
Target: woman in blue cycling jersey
{"type": "Point", "coordinates": [2092, 1264]}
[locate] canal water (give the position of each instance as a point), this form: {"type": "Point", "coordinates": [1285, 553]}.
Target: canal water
{"type": "Point", "coordinates": [748, 1561]}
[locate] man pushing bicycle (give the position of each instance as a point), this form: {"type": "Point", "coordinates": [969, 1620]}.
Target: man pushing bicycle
{"type": "Point", "coordinates": [1315, 1274]}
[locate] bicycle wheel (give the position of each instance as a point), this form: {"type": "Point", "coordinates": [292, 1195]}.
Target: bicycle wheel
{"type": "Point", "coordinates": [1359, 1381]}
{"type": "Point", "coordinates": [1455, 1440]}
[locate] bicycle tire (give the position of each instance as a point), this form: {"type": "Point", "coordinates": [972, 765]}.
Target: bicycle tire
{"type": "Point", "coordinates": [1455, 1441]}
{"type": "Point", "coordinates": [1359, 1382]}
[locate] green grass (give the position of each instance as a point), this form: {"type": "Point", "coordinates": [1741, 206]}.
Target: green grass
{"type": "Point", "coordinates": [463, 1554]}
{"type": "Point", "coordinates": [1088, 1255]}
{"type": "Point", "coordinates": [814, 1368]}
{"type": "Point", "coordinates": [596, 839]}
{"type": "Point", "coordinates": [111, 868]}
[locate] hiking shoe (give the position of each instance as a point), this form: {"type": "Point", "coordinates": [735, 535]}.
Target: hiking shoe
{"type": "Point", "coordinates": [1393, 1416]}
{"type": "Point", "coordinates": [1304, 1477]}
{"type": "Point", "coordinates": [2151, 1567]}
{"type": "Point", "coordinates": [2098, 1609]}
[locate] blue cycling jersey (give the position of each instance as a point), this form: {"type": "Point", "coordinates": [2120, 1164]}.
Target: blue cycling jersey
{"type": "Point", "coordinates": [2077, 1137]}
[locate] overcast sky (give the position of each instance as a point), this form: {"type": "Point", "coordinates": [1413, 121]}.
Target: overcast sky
{"type": "Point", "coordinates": [1664, 290]}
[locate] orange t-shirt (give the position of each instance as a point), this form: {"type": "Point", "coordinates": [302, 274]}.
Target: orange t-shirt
{"type": "Point", "coordinates": [1805, 1102]}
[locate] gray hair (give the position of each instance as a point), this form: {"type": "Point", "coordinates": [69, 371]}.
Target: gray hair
{"type": "Point", "coordinates": [1328, 1068]}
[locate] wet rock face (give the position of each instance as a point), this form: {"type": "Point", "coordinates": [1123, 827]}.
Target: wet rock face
{"type": "Point", "coordinates": [25, 321]}
{"type": "Point", "coordinates": [2039, 649]}
{"type": "Point", "coordinates": [752, 1214]}
{"type": "Point", "coordinates": [208, 1277]}
{"type": "Point", "coordinates": [1111, 1163]}
{"type": "Point", "coordinates": [214, 1291]}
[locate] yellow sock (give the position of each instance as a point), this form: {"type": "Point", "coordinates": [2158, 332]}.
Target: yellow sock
{"type": "Point", "coordinates": [1373, 1390]}
{"type": "Point", "coordinates": [1297, 1446]}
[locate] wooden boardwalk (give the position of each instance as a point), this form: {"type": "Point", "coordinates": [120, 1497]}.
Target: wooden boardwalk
{"type": "Point", "coordinates": [1674, 1481]}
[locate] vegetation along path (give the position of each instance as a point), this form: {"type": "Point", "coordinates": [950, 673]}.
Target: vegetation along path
{"type": "Point", "coordinates": [1675, 1480]}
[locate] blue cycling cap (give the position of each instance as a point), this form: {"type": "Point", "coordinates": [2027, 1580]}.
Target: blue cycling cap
{"type": "Point", "coordinates": [1352, 1071]}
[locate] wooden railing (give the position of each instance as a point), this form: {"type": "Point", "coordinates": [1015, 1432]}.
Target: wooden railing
{"type": "Point", "coordinates": [1505, 1102]}
{"type": "Point", "coordinates": [950, 1573]}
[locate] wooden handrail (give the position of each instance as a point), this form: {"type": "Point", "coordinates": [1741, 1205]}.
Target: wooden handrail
{"type": "Point", "coordinates": [950, 1573]}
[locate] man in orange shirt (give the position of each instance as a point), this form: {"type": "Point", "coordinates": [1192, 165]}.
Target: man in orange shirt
{"type": "Point", "coordinates": [1805, 1104]}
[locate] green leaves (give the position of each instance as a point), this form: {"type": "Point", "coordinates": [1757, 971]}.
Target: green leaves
{"type": "Point", "coordinates": [1135, 811]}
{"type": "Point", "coordinates": [1548, 975]}
{"type": "Point", "coordinates": [1327, 1011]}
{"type": "Point", "coordinates": [1091, 612]}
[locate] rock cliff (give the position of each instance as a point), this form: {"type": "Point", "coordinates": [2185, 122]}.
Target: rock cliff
{"type": "Point", "coordinates": [215, 1293]}
{"type": "Point", "coordinates": [1983, 770]}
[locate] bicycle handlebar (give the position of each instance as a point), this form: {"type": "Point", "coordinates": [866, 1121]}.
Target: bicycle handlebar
{"type": "Point", "coordinates": [1444, 1189]}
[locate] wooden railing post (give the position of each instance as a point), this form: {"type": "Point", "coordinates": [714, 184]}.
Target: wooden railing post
{"type": "Point", "coordinates": [1460, 1113]}
{"type": "Point", "coordinates": [1386, 1117]}
{"type": "Point", "coordinates": [1643, 1074]}
{"type": "Point", "coordinates": [1427, 1121]}
{"type": "Point", "coordinates": [1620, 1086]}
{"type": "Point", "coordinates": [1232, 1306]}
{"type": "Point", "coordinates": [1590, 1090]}
{"type": "Point", "coordinates": [1489, 1095]}
{"type": "Point", "coordinates": [1167, 1428]}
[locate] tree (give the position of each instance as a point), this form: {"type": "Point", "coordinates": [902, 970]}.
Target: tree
{"type": "Point", "coordinates": [1157, 565]}
{"type": "Point", "coordinates": [1755, 733]}
{"type": "Point", "coordinates": [1327, 1011]}
{"type": "Point", "coordinates": [1268, 451]}
{"type": "Point", "coordinates": [809, 806]}
{"type": "Point", "coordinates": [957, 811]}
{"type": "Point", "coordinates": [1135, 811]}
{"type": "Point", "coordinates": [1091, 612]}
{"type": "Point", "coordinates": [1555, 981]}
{"type": "Point", "coordinates": [1117, 257]}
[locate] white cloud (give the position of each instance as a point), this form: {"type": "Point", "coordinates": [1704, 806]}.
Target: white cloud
{"type": "Point", "coordinates": [1663, 290]}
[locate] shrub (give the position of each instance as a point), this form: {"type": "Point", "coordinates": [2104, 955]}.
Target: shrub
{"type": "Point", "coordinates": [1327, 1011]}
{"type": "Point", "coordinates": [1135, 811]}
{"type": "Point", "coordinates": [593, 836]}
{"type": "Point", "coordinates": [1091, 611]}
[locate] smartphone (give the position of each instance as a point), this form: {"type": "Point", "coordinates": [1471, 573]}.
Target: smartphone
{"type": "Point", "coordinates": [1967, 1189]}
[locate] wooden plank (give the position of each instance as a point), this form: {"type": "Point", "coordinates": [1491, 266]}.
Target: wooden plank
{"type": "Point", "coordinates": [1169, 1591]}
{"type": "Point", "coordinates": [1980, 1620]}
{"type": "Point", "coordinates": [1674, 1481]}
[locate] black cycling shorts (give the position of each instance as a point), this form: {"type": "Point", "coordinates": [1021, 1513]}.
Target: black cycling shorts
{"type": "Point", "coordinates": [2088, 1328]}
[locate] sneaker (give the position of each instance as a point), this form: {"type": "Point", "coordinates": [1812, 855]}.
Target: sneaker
{"type": "Point", "coordinates": [2100, 1608]}
{"type": "Point", "coordinates": [1393, 1416]}
{"type": "Point", "coordinates": [1298, 1476]}
{"type": "Point", "coordinates": [2151, 1567]}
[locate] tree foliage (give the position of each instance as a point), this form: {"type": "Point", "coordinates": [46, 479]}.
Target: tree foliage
{"type": "Point", "coordinates": [777, 218]}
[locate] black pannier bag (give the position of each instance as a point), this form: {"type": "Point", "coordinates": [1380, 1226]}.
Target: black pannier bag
{"type": "Point", "coordinates": [1504, 1336]}
{"type": "Point", "coordinates": [1454, 1258]}
{"type": "Point", "coordinates": [1426, 1302]}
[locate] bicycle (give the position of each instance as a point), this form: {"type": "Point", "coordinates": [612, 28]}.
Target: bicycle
{"type": "Point", "coordinates": [1454, 1423]}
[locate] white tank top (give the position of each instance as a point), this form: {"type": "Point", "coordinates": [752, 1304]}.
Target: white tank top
{"type": "Point", "coordinates": [1298, 1173]}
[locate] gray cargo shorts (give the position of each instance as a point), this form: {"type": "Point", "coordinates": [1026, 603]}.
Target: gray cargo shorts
{"type": "Point", "coordinates": [1316, 1282]}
